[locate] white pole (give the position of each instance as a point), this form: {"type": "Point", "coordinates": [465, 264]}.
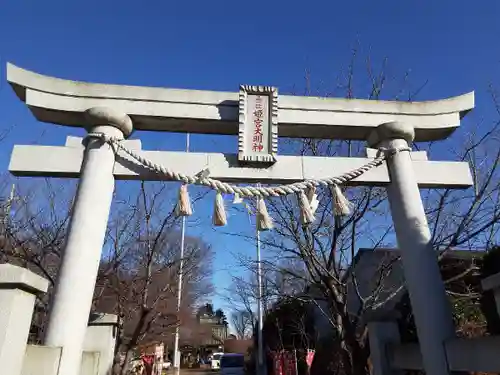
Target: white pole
{"type": "Point", "coordinates": [177, 357]}
{"type": "Point", "coordinates": [260, 325]}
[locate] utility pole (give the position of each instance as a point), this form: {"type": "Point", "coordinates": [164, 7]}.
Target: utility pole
{"type": "Point", "coordinates": [177, 356]}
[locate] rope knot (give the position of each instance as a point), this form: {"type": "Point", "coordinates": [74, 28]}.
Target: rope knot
{"type": "Point", "coordinates": [389, 152]}
{"type": "Point", "coordinates": [95, 135]}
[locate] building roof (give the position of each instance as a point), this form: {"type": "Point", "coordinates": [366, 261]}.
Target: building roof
{"type": "Point", "coordinates": [392, 251]}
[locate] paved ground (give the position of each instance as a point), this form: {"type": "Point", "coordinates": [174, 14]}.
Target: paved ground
{"type": "Point", "coordinates": [197, 372]}
{"type": "Point", "coordinates": [193, 371]}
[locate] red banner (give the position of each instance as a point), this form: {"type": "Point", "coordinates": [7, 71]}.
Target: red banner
{"type": "Point", "coordinates": [277, 362]}
{"type": "Point", "coordinates": [310, 357]}
{"type": "Point", "coordinates": [148, 361]}
{"type": "Point", "coordinates": [285, 362]}
{"type": "Point", "coordinates": [290, 363]}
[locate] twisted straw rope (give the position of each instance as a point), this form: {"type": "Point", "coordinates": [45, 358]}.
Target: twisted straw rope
{"type": "Point", "coordinates": [251, 191]}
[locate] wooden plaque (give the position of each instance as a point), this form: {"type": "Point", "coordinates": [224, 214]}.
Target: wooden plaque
{"type": "Point", "coordinates": [258, 124]}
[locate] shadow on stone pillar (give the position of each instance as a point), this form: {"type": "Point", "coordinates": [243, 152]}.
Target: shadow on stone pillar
{"type": "Point", "coordinates": [382, 331]}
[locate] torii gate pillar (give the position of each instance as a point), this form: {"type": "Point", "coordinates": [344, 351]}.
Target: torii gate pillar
{"type": "Point", "coordinates": [77, 276]}
{"type": "Point", "coordinates": [431, 308]}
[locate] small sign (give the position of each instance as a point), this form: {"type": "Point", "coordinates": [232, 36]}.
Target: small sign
{"type": "Point", "coordinates": [258, 131]}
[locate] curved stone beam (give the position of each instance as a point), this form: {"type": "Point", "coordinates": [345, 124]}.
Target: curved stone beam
{"type": "Point", "coordinates": [63, 102]}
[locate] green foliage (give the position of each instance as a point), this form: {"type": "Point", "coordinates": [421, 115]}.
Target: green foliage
{"type": "Point", "coordinates": [219, 313]}
{"type": "Point", "coordinates": [491, 262]}
{"type": "Point", "coordinates": [206, 309]}
{"type": "Point", "coordinates": [468, 317]}
{"type": "Point", "coordinates": [490, 266]}
{"type": "Point", "coordinates": [466, 310]}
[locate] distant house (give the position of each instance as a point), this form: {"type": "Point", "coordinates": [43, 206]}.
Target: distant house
{"type": "Point", "coordinates": [213, 328]}
{"type": "Point", "coordinates": [217, 332]}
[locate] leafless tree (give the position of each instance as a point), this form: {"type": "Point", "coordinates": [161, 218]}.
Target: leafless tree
{"type": "Point", "coordinates": [138, 278]}
{"type": "Point", "coordinates": [33, 233]}
{"type": "Point", "coordinates": [243, 324]}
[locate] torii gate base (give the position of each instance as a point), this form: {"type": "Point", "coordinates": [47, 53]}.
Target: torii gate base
{"type": "Point", "coordinates": [65, 102]}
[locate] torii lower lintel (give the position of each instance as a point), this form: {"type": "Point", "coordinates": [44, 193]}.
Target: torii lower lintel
{"type": "Point", "coordinates": [66, 161]}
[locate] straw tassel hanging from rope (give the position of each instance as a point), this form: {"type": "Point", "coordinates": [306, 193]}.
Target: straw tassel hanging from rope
{"type": "Point", "coordinates": [306, 214]}
{"type": "Point", "coordinates": [183, 207]}
{"type": "Point", "coordinates": [312, 197]}
{"type": "Point", "coordinates": [264, 221]}
{"type": "Point", "coordinates": [341, 206]}
{"type": "Point", "coordinates": [219, 217]}
{"type": "Point", "coordinates": [237, 199]}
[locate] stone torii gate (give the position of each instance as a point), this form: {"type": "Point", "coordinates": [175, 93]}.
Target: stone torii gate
{"type": "Point", "coordinates": [258, 116]}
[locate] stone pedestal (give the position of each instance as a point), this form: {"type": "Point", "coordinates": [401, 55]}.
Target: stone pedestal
{"type": "Point", "coordinates": [101, 337]}
{"type": "Point", "coordinates": [432, 311]}
{"type": "Point", "coordinates": [18, 289]}
{"type": "Point", "coordinates": [383, 331]}
{"type": "Point", "coordinates": [87, 229]}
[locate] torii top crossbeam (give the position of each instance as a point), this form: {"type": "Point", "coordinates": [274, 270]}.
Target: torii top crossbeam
{"type": "Point", "coordinates": [64, 102]}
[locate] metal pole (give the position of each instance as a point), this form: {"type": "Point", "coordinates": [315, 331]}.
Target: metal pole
{"type": "Point", "coordinates": [177, 357]}
{"type": "Point", "coordinates": [260, 365]}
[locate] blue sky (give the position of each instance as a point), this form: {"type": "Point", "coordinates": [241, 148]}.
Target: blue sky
{"type": "Point", "coordinates": [217, 45]}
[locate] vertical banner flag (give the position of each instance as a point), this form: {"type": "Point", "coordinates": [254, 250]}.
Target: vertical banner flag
{"type": "Point", "coordinates": [310, 357]}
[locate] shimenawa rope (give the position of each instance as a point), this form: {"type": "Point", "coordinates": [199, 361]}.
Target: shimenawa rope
{"type": "Point", "coordinates": [251, 191]}
{"type": "Point", "coordinates": [299, 188]}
